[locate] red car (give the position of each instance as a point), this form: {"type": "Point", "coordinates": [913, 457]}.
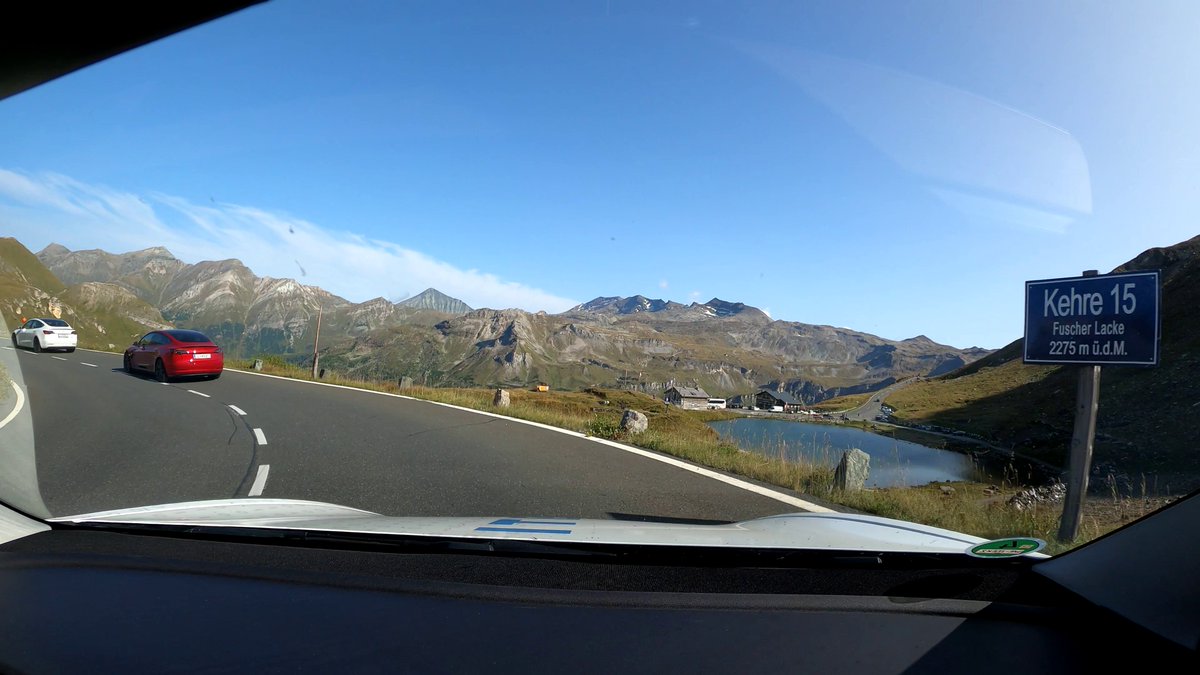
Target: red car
{"type": "Point", "coordinates": [175, 353]}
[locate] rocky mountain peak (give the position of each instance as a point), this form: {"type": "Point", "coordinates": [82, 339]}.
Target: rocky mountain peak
{"type": "Point", "coordinates": [636, 304]}
{"type": "Point", "coordinates": [53, 249]}
{"type": "Point", "coordinates": [433, 299]}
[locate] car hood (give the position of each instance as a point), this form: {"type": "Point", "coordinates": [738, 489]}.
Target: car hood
{"type": "Point", "coordinates": [819, 531]}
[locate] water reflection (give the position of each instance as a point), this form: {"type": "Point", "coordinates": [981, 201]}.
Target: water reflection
{"type": "Point", "coordinates": [893, 462]}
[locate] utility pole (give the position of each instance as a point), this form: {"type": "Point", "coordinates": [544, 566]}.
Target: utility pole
{"type": "Point", "coordinates": [316, 341]}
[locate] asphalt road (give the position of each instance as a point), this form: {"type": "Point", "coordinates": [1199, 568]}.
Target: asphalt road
{"type": "Point", "coordinates": [105, 440]}
{"type": "Point", "coordinates": [873, 408]}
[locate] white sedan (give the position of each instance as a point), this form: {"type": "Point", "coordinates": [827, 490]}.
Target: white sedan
{"type": "Point", "coordinates": [39, 334]}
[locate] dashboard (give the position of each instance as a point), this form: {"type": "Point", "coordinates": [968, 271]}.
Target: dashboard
{"type": "Point", "coordinates": [84, 600]}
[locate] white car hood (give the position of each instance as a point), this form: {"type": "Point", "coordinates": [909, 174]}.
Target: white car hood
{"type": "Point", "coordinates": [829, 531]}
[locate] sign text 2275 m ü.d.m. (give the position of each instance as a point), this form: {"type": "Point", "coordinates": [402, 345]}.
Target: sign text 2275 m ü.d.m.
{"type": "Point", "coordinates": [1093, 320]}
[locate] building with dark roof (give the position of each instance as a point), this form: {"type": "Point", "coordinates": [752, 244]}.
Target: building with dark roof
{"type": "Point", "coordinates": [688, 398]}
{"type": "Point", "coordinates": [769, 400]}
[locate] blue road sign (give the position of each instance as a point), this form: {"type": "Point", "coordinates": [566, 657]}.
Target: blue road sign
{"type": "Point", "coordinates": [1100, 321]}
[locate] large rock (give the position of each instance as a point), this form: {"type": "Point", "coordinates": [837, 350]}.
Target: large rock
{"type": "Point", "coordinates": [851, 473]}
{"type": "Point", "coordinates": [502, 399]}
{"type": "Point", "coordinates": [406, 382]}
{"type": "Point", "coordinates": [634, 422]}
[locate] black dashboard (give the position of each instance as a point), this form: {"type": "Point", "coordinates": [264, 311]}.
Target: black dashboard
{"type": "Point", "coordinates": [75, 600]}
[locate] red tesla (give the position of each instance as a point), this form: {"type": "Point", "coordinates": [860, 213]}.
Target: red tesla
{"type": "Point", "coordinates": [175, 353]}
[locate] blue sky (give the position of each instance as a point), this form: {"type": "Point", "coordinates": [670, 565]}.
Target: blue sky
{"type": "Point", "coordinates": [896, 168]}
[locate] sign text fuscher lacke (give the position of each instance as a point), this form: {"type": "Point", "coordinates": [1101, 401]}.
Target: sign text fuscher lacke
{"type": "Point", "coordinates": [1101, 320]}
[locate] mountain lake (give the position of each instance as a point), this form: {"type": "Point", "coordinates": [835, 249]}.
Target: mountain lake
{"type": "Point", "coordinates": [894, 463]}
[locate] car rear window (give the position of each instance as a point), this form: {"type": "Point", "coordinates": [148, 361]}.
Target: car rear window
{"type": "Point", "coordinates": [57, 323]}
{"type": "Point", "coordinates": [188, 335]}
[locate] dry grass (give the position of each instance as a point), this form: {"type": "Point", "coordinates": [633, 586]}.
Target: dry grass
{"type": "Point", "coordinates": [841, 403]}
{"type": "Point", "coordinates": [973, 508]}
{"type": "Point", "coordinates": [943, 399]}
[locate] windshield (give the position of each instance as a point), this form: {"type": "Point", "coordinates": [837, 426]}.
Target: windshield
{"type": "Point", "coordinates": [679, 262]}
{"type": "Point", "coordinates": [187, 336]}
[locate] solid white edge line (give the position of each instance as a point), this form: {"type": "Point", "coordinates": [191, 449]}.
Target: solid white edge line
{"type": "Point", "coordinates": [193, 391]}
{"type": "Point", "coordinates": [729, 480]}
{"type": "Point", "coordinates": [260, 436]}
{"type": "Point", "coordinates": [260, 479]}
{"type": "Point", "coordinates": [58, 357]}
{"type": "Point", "coordinates": [89, 365]}
{"type": "Point", "coordinates": [237, 410]}
{"type": "Point", "coordinates": [678, 463]}
{"type": "Point", "coordinates": [17, 408]}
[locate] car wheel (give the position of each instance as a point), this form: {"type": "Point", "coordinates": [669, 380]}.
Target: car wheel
{"type": "Point", "coordinates": [214, 376]}
{"type": "Point", "coordinates": [128, 364]}
{"type": "Point", "coordinates": [70, 349]}
{"type": "Point", "coordinates": [14, 340]}
{"type": "Point", "coordinates": [160, 371]}
{"type": "Point", "coordinates": [37, 345]}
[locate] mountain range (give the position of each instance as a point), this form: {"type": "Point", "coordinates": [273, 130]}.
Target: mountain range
{"type": "Point", "coordinates": [636, 342]}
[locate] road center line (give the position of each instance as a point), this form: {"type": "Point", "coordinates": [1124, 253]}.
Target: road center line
{"type": "Point", "coordinates": [237, 410]}
{"type": "Point", "coordinates": [8, 348]}
{"type": "Point", "coordinates": [89, 365]}
{"type": "Point", "coordinates": [58, 357]}
{"type": "Point", "coordinates": [260, 480]}
{"type": "Point", "coordinates": [258, 435]}
{"type": "Point", "coordinates": [193, 391]}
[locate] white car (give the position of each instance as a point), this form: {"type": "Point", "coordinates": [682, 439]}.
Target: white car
{"type": "Point", "coordinates": [41, 334]}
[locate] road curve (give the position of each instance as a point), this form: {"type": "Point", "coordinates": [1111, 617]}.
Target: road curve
{"type": "Point", "coordinates": [106, 439]}
{"type": "Point", "coordinates": [873, 408]}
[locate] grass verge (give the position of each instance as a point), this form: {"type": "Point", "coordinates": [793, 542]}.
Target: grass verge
{"type": "Point", "coordinates": [841, 403]}
{"type": "Point", "coordinates": [974, 508]}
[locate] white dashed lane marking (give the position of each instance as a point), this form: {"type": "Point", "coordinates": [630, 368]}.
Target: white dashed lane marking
{"type": "Point", "coordinates": [237, 410]}
{"type": "Point", "coordinates": [260, 437]}
{"type": "Point", "coordinates": [89, 365]}
{"type": "Point", "coordinates": [58, 357]}
{"type": "Point", "coordinates": [260, 480]}
{"type": "Point", "coordinates": [193, 391]}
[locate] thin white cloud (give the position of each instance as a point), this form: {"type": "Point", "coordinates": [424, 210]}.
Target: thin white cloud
{"type": "Point", "coordinates": [41, 207]}
{"type": "Point", "coordinates": [694, 295]}
{"type": "Point", "coordinates": [663, 284]}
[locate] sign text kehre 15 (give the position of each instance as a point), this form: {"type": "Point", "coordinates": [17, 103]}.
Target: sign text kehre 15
{"type": "Point", "coordinates": [1100, 320]}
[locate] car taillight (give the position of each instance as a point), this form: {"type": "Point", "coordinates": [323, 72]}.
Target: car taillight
{"type": "Point", "coordinates": [218, 350]}
{"type": "Point", "coordinates": [72, 332]}
{"type": "Point", "coordinates": [180, 352]}
{"type": "Point", "coordinates": [47, 332]}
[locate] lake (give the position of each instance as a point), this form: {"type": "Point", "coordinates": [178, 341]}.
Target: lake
{"type": "Point", "coordinates": [893, 462]}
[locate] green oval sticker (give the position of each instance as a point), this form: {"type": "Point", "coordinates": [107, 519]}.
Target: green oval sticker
{"type": "Point", "coordinates": [1006, 548]}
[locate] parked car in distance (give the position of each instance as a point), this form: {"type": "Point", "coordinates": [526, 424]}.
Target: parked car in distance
{"type": "Point", "coordinates": [45, 334]}
{"type": "Point", "coordinates": [175, 353]}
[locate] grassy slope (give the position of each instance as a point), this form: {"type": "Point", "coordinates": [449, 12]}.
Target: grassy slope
{"type": "Point", "coordinates": [22, 267]}
{"type": "Point", "coordinates": [1146, 415]}
{"type": "Point", "coordinates": [106, 323]}
{"type": "Point", "coordinates": [27, 286]}
{"type": "Point", "coordinates": [841, 403]}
